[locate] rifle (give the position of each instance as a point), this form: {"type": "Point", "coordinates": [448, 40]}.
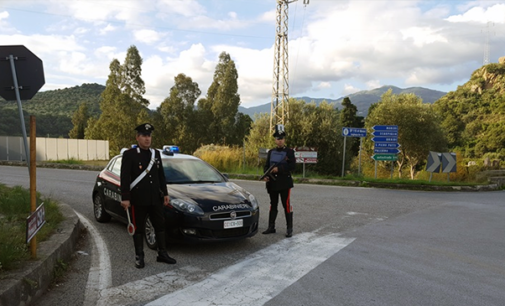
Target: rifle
{"type": "Point", "coordinates": [269, 172]}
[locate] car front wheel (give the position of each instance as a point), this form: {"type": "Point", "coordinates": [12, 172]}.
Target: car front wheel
{"type": "Point", "coordinates": [150, 234]}
{"type": "Point", "coordinates": [98, 209]}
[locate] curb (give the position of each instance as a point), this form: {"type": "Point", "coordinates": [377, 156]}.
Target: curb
{"type": "Point", "coordinates": [494, 184]}
{"type": "Point", "coordinates": [23, 286]}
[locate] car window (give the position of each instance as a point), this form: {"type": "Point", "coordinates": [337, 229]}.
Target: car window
{"type": "Point", "coordinates": [116, 168]}
{"type": "Point", "coordinates": [179, 171]}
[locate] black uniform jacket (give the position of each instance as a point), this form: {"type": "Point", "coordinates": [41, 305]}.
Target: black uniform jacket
{"type": "Point", "coordinates": [151, 189]}
{"type": "Point", "coordinates": [285, 161]}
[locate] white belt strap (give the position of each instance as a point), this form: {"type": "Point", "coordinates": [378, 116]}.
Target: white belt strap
{"type": "Point", "coordinates": [143, 174]}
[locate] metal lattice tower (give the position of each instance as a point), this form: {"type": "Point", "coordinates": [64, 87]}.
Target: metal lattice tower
{"type": "Point", "coordinates": [486, 46]}
{"type": "Point", "coordinates": [279, 112]}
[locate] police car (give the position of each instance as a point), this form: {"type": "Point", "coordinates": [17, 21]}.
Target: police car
{"type": "Point", "coordinates": [204, 205]}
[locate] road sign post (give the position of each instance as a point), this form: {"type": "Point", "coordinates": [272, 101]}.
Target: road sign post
{"type": "Point", "coordinates": [21, 76]}
{"type": "Point", "coordinates": [353, 132]}
{"type": "Point", "coordinates": [22, 81]}
{"type": "Point", "coordinates": [385, 144]}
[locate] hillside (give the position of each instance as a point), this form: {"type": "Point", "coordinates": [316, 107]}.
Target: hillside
{"type": "Point", "coordinates": [362, 99]}
{"type": "Point", "coordinates": [61, 102]}
{"type": "Point", "coordinates": [474, 114]}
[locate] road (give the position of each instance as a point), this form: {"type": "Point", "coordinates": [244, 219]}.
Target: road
{"type": "Point", "coordinates": [352, 246]}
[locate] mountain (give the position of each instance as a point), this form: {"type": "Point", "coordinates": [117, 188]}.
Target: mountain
{"type": "Point", "coordinates": [61, 102]}
{"type": "Point", "coordinates": [54, 108]}
{"type": "Point", "coordinates": [362, 99]}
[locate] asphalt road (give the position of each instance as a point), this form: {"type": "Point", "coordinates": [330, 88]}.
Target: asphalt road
{"type": "Point", "coordinates": [387, 247]}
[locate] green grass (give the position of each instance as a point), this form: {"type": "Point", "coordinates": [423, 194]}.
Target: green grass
{"type": "Point", "coordinates": [14, 209]}
{"type": "Point", "coordinates": [67, 161]}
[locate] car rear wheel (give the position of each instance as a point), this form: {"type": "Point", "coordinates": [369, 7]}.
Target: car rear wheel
{"type": "Point", "coordinates": [98, 209]}
{"type": "Point", "coordinates": [150, 234]}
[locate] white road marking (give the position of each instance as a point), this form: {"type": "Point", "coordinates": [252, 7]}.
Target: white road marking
{"type": "Point", "coordinates": [137, 292]}
{"type": "Point", "coordinates": [260, 276]}
{"type": "Point", "coordinates": [100, 272]}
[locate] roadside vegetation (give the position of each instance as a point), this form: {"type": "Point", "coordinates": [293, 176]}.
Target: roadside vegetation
{"type": "Point", "coordinates": [14, 209]}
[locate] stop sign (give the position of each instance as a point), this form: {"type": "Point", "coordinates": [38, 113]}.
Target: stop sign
{"type": "Point", "coordinates": [29, 72]}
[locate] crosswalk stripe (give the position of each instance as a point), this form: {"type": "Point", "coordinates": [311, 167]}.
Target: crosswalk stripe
{"type": "Point", "coordinates": [260, 276]}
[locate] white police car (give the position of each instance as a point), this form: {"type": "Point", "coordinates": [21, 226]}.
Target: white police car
{"type": "Point", "coordinates": [204, 205]}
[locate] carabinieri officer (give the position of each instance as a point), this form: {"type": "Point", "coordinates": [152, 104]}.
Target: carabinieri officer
{"type": "Point", "coordinates": [144, 191]}
{"type": "Point", "coordinates": [280, 182]}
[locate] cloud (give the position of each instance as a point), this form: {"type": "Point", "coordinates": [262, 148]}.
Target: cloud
{"type": "Point", "coordinates": [493, 13]}
{"type": "Point", "coordinates": [147, 36]}
{"type": "Point", "coordinates": [349, 89]}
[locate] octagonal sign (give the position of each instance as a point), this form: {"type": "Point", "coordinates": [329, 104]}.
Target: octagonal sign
{"type": "Point", "coordinates": [29, 72]}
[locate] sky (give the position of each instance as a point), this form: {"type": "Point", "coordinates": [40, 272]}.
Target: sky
{"type": "Point", "coordinates": [336, 47]}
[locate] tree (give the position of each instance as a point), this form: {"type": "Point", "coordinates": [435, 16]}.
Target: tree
{"type": "Point", "coordinates": [80, 121]}
{"type": "Point", "coordinates": [349, 118]}
{"type": "Point", "coordinates": [178, 114]}
{"type": "Point", "coordinates": [419, 129]}
{"type": "Point", "coordinates": [121, 104]}
{"type": "Point", "coordinates": [220, 107]}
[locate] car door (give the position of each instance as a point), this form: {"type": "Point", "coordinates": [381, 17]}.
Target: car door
{"type": "Point", "coordinates": [112, 190]}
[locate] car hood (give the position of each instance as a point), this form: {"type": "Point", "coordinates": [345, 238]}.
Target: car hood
{"type": "Point", "coordinates": [213, 197]}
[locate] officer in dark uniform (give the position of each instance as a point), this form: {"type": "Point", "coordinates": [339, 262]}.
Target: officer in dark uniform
{"type": "Point", "coordinates": [282, 161]}
{"type": "Point", "coordinates": [144, 191]}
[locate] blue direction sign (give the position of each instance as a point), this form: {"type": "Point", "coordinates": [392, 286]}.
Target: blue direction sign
{"type": "Point", "coordinates": [386, 150]}
{"type": "Point", "coordinates": [385, 133]}
{"type": "Point", "coordinates": [353, 132]}
{"type": "Point", "coordinates": [387, 145]}
{"type": "Point", "coordinates": [385, 139]}
{"type": "Point", "coordinates": [385, 128]}
{"type": "Point", "coordinates": [385, 157]}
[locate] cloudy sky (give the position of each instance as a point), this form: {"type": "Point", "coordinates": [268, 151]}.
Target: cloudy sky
{"type": "Point", "coordinates": [336, 47]}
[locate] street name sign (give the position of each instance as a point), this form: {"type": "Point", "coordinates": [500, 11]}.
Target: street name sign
{"type": "Point", "coordinates": [385, 157]}
{"type": "Point", "coordinates": [385, 128]}
{"type": "Point", "coordinates": [385, 139]}
{"type": "Point", "coordinates": [385, 133]}
{"type": "Point", "coordinates": [353, 132]}
{"type": "Point", "coordinates": [386, 150]}
{"type": "Point", "coordinates": [386, 145]}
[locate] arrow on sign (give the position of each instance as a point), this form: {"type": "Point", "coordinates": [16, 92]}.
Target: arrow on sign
{"type": "Point", "coordinates": [387, 145]}
{"type": "Point", "coordinates": [385, 139]}
{"type": "Point", "coordinates": [448, 162]}
{"type": "Point", "coordinates": [385, 128]}
{"type": "Point", "coordinates": [434, 161]}
{"type": "Point", "coordinates": [385, 157]}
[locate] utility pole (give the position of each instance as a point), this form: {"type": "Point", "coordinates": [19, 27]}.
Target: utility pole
{"type": "Point", "coordinates": [279, 112]}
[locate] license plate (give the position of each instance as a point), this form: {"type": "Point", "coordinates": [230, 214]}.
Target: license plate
{"type": "Point", "coordinates": [234, 223]}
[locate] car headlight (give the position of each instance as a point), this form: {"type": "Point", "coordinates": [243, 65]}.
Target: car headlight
{"type": "Point", "coordinates": [254, 202]}
{"type": "Point", "coordinates": [187, 206]}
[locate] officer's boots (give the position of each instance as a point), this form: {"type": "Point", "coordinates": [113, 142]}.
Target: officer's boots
{"type": "Point", "coordinates": [271, 223]}
{"type": "Point", "coordinates": [289, 223]}
{"type": "Point", "coordinates": [139, 250]}
{"type": "Point", "coordinates": [162, 249]}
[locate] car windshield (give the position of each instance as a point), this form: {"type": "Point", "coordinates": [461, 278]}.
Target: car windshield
{"type": "Point", "coordinates": [185, 171]}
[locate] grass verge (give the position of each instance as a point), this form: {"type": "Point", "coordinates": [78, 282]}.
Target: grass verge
{"type": "Point", "coordinates": [14, 209]}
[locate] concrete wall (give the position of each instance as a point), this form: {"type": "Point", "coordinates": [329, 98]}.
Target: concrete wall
{"type": "Point", "coordinates": [12, 148]}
